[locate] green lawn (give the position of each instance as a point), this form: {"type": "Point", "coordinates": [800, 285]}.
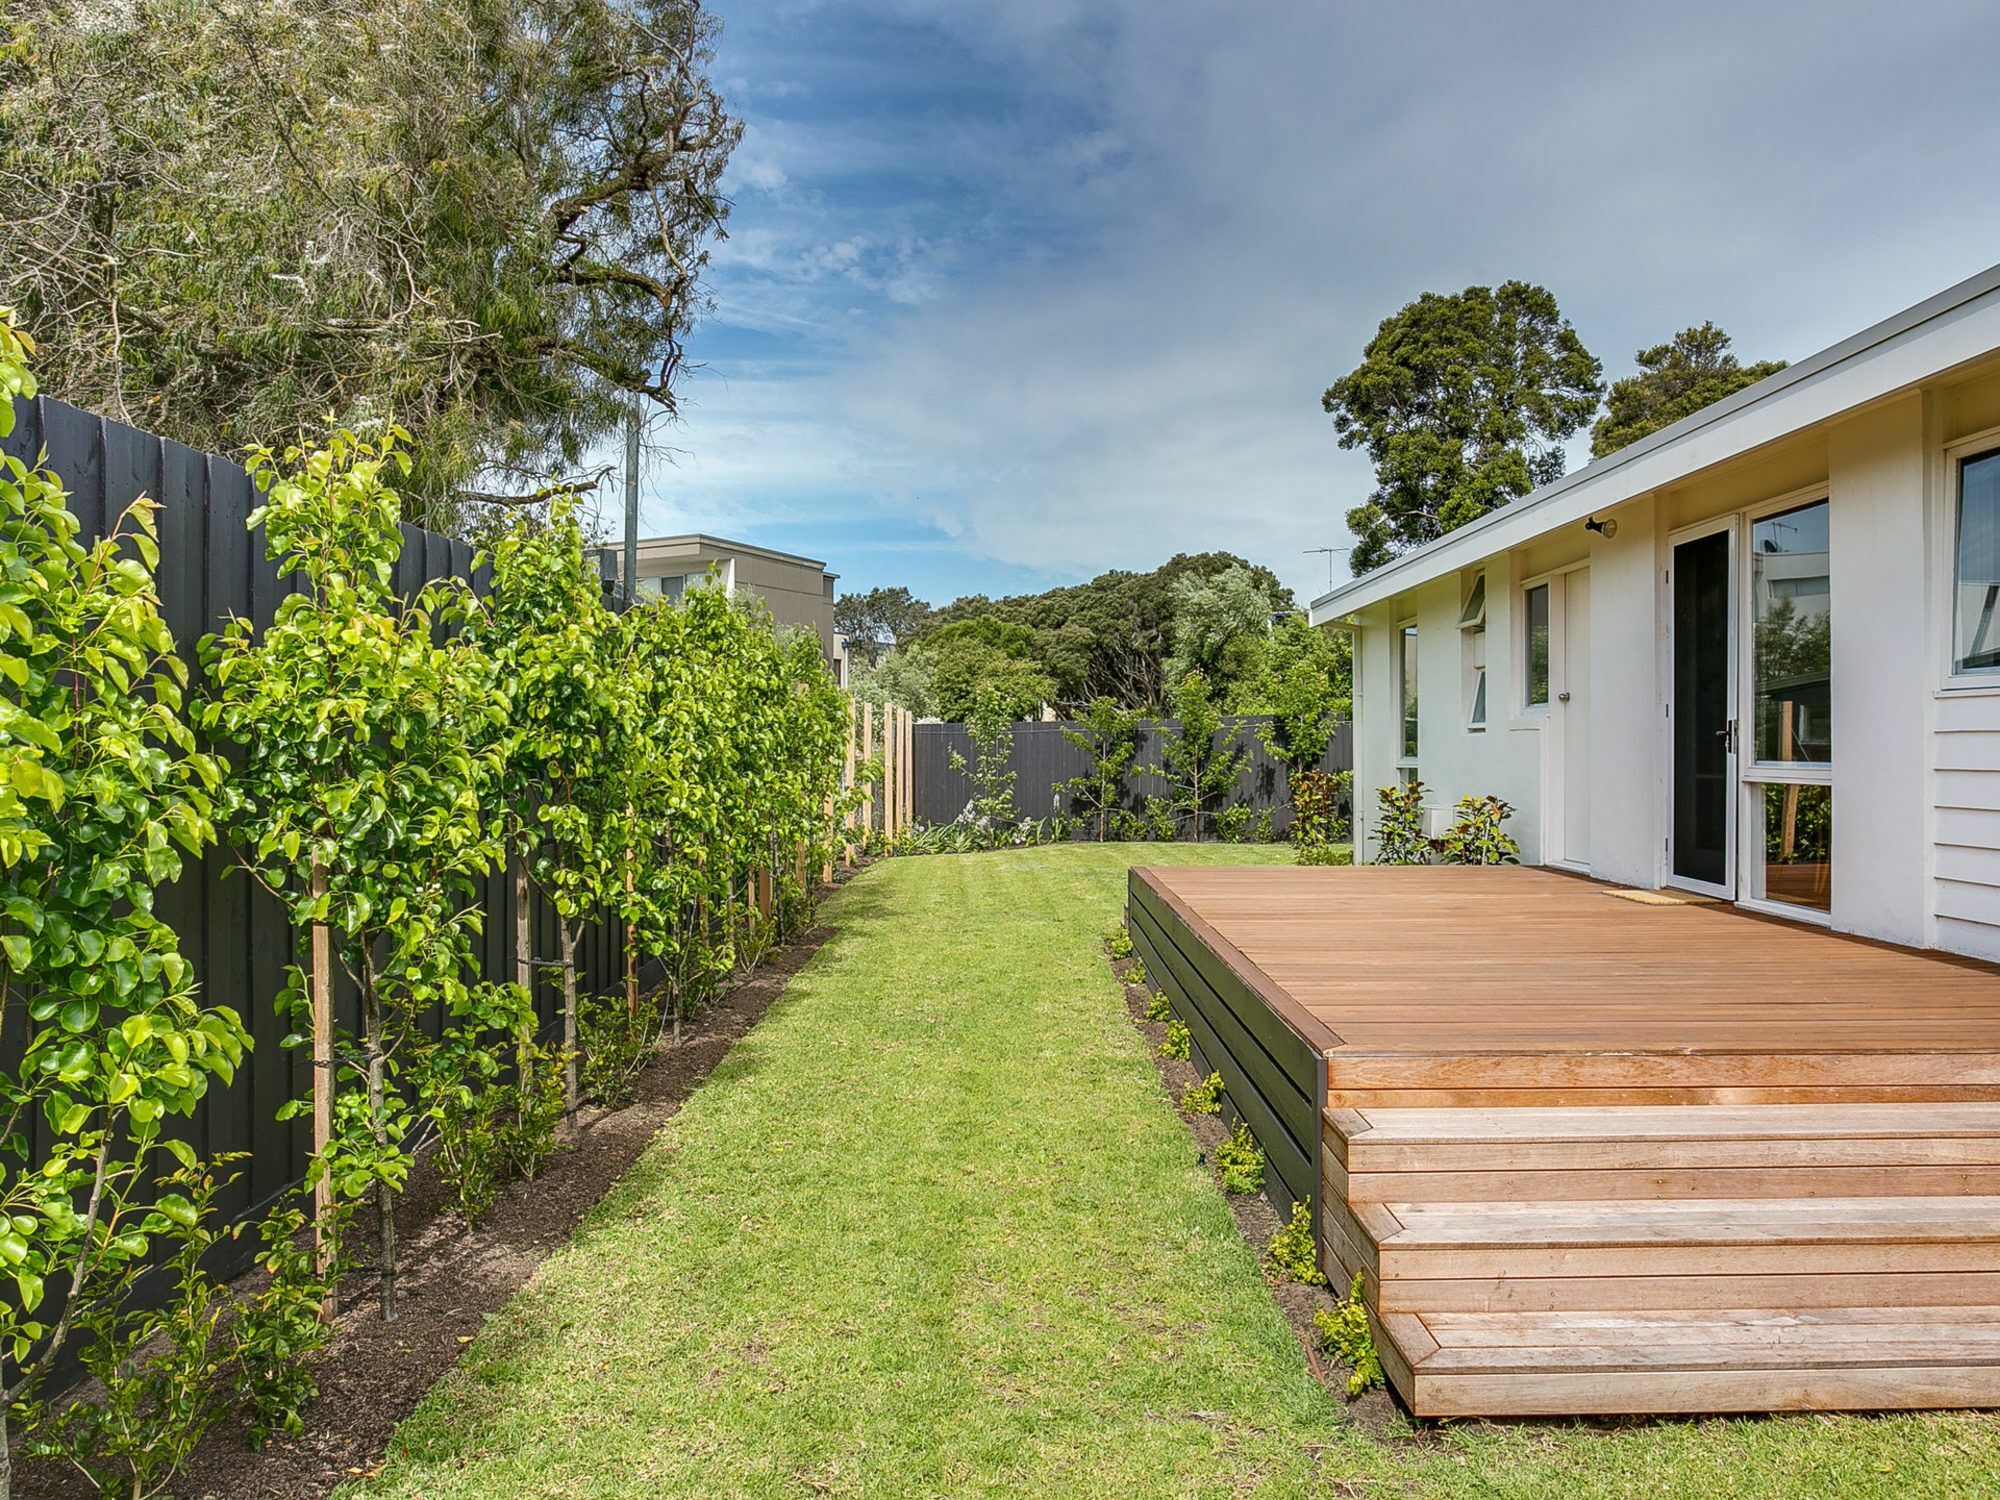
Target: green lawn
{"type": "Point", "coordinates": [934, 1229]}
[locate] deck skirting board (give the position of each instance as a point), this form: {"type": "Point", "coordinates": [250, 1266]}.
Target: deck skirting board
{"type": "Point", "coordinates": [1274, 1097]}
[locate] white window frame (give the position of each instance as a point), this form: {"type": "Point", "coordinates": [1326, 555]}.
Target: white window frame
{"type": "Point", "coordinates": [1404, 760]}
{"type": "Point", "coordinates": [1980, 680]}
{"type": "Point", "coordinates": [1753, 775]}
{"type": "Point", "coordinates": [1475, 641]}
{"type": "Point", "coordinates": [1522, 707]}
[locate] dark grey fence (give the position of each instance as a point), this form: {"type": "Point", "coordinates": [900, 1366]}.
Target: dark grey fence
{"type": "Point", "coordinates": [237, 936]}
{"type": "Point", "coordinates": [1043, 758]}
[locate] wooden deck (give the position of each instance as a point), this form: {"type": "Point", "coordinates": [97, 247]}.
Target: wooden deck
{"type": "Point", "coordinates": [1592, 1155]}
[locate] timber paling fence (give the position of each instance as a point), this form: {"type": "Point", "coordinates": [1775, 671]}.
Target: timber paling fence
{"type": "Point", "coordinates": [238, 937]}
{"type": "Point", "coordinates": [1043, 758]}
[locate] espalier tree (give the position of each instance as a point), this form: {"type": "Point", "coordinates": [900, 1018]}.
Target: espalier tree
{"type": "Point", "coordinates": [102, 795]}
{"type": "Point", "coordinates": [369, 731]}
{"type": "Point", "coordinates": [565, 779]}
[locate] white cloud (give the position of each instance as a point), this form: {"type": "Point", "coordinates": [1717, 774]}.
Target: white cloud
{"type": "Point", "coordinates": [1082, 319]}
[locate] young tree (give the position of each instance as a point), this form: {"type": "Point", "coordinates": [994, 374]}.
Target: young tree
{"type": "Point", "coordinates": [1306, 686]}
{"type": "Point", "coordinates": [490, 217]}
{"type": "Point", "coordinates": [568, 671]}
{"type": "Point", "coordinates": [1676, 379]}
{"type": "Point", "coordinates": [1109, 735]}
{"type": "Point", "coordinates": [1201, 772]}
{"type": "Point", "coordinates": [102, 796]}
{"type": "Point", "coordinates": [369, 731]}
{"type": "Point", "coordinates": [1463, 401]}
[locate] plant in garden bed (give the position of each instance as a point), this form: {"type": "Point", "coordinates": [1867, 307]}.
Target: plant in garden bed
{"type": "Point", "coordinates": [1344, 1333]}
{"type": "Point", "coordinates": [1179, 1041]}
{"type": "Point", "coordinates": [1476, 837]}
{"type": "Point", "coordinates": [1291, 1253]}
{"type": "Point", "coordinates": [1203, 1096]}
{"type": "Point", "coordinates": [368, 732]}
{"type": "Point", "coordinates": [1316, 798]}
{"type": "Point", "coordinates": [1159, 1007]}
{"type": "Point", "coordinates": [1137, 974]}
{"type": "Point", "coordinates": [1201, 773]}
{"type": "Point", "coordinates": [102, 796]}
{"type": "Point", "coordinates": [1240, 1161]}
{"type": "Point", "coordinates": [563, 785]}
{"type": "Point", "coordinates": [1109, 735]}
{"type": "Point", "coordinates": [1119, 942]}
{"type": "Point", "coordinates": [1399, 832]}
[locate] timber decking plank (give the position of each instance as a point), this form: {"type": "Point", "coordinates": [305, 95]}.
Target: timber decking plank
{"type": "Point", "coordinates": [1582, 991]}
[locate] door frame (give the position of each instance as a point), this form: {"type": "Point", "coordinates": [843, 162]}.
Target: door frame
{"type": "Point", "coordinates": [1732, 527]}
{"type": "Point", "coordinates": [1555, 722]}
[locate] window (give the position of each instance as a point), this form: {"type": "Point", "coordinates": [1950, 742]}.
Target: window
{"type": "Point", "coordinates": [1472, 651]}
{"type": "Point", "coordinates": [1791, 668]}
{"type": "Point", "coordinates": [1796, 863]}
{"type": "Point", "coordinates": [1537, 616]}
{"type": "Point", "coordinates": [1406, 664]}
{"type": "Point", "coordinates": [1976, 592]}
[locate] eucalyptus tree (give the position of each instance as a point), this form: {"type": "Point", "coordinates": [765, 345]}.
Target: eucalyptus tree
{"type": "Point", "coordinates": [103, 795]}
{"type": "Point", "coordinates": [368, 730]}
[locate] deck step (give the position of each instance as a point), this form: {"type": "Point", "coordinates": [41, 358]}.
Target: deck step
{"type": "Point", "coordinates": [1672, 1151]}
{"type": "Point", "coordinates": [1733, 1359]}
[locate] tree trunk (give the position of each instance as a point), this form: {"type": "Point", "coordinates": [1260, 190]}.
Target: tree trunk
{"type": "Point", "coordinates": [6, 1451]}
{"type": "Point", "coordinates": [572, 1090]}
{"type": "Point", "coordinates": [385, 1196]}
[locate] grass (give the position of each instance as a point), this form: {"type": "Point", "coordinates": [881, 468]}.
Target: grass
{"type": "Point", "coordinates": [934, 1229]}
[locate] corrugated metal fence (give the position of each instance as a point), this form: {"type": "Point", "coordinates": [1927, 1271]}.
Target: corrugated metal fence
{"type": "Point", "coordinates": [236, 935]}
{"type": "Point", "coordinates": [1043, 759]}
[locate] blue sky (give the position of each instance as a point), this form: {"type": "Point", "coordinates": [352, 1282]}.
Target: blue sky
{"type": "Point", "coordinates": [1016, 293]}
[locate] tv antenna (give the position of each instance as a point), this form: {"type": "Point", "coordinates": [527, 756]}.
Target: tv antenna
{"type": "Point", "coordinates": [1331, 553]}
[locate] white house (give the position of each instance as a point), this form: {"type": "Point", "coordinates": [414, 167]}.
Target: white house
{"type": "Point", "coordinates": [1755, 655]}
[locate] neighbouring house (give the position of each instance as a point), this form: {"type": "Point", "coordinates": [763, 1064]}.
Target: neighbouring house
{"type": "Point", "coordinates": [1755, 655]}
{"type": "Point", "coordinates": [798, 590]}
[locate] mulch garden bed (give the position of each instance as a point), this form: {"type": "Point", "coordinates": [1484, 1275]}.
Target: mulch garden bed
{"type": "Point", "coordinates": [374, 1373]}
{"type": "Point", "coordinates": [1376, 1411]}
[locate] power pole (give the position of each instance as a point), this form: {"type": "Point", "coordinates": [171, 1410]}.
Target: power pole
{"type": "Point", "coordinates": [631, 570]}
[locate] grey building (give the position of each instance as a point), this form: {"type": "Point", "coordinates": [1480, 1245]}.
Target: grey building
{"type": "Point", "coordinates": [798, 590]}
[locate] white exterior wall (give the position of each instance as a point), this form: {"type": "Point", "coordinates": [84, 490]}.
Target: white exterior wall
{"type": "Point", "coordinates": [1881, 677]}
{"type": "Point", "coordinates": [1916, 762]}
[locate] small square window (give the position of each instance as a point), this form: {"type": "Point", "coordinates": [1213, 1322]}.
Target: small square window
{"type": "Point", "coordinates": [1474, 612]}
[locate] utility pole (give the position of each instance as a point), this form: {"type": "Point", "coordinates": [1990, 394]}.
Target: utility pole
{"type": "Point", "coordinates": [631, 570]}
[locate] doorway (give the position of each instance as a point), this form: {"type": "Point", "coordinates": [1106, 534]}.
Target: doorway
{"type": "Point", "coordinates": [1702, 832]}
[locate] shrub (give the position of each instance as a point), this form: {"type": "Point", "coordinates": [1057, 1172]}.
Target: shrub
{"type": "Point", "coordinates": [1179, 1041]}
{"type": "Point", "coordinates": [1399, 835]}
{"type": "Point", "coordinates": [279, 1327]}
{"type": "Point", "coordinates": [1316, 830]}
{"type": "Point", "coordinates": [1344, 1333]}
{"type": "Point", "coordinates": [1120, 942]}
{"type": "Point", "coordinates": [1241, 1162]}
{"type": "Point", "coordinates": [1292, 1253]}
{"type": "Point", "coordinates": [1241, 824]}
{"type": "Point", "coordinates": [1204, 1096]}
{"type": "Point", "coordinates": [1475, 836]}
{"type": "Point", "coordinates": [1159, 1007]}
{"type": "Point", "coordinates": [1137, 973]}
{"type": "Point", "coordinates": [618, 1040]}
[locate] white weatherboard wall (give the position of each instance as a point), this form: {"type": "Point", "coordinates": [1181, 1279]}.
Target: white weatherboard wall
{"type": "Point", "coordinates": [1967, 835]}
{"type": "Point", "coordinates": [1881, 676]}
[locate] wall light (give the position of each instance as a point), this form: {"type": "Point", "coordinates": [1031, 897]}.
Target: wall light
{"type": "Point", "coordinates": [1605, 529]}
